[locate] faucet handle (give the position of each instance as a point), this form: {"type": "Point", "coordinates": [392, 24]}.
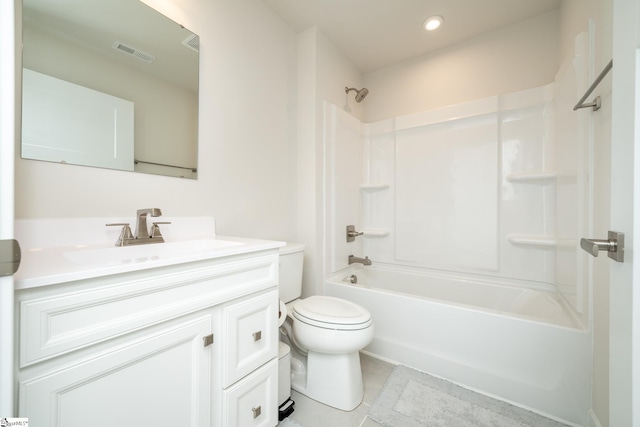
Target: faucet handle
{"type": "Point", "coordinates": [155, 230]}
{"type": "Point", "coordinates": [124, 225]}
{"type": "Point", "coordinates": [125, 234]}
{"type": "Point", "coordinates": [352, 233]}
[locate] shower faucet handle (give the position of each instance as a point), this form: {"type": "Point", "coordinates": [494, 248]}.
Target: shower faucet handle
{"type": "Point", "coordinates": [352, 233]}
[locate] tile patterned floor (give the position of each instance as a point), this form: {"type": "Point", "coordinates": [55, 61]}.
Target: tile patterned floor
{"type": "Point", "coordinates": [310, 413]}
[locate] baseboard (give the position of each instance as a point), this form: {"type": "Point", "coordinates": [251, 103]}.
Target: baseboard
{"type": "Point", "coordinates": [593, 419]}
{"type": "Point", "coordinates": [377, 356]}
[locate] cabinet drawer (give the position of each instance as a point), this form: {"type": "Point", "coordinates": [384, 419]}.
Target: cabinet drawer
{"type": "Point", "coordinates": [252, 402]}
{"type": "Point", "coordinates": [251, 336]}
{"type": "Point", "coordinates": [57, 323]}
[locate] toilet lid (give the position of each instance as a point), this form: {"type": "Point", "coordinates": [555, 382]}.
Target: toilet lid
{"type": "Point", "coordinates": [331, 310]}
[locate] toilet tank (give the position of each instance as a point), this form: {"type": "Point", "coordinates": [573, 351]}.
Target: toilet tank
{"type": "Point", "coordinates": [290, 271]}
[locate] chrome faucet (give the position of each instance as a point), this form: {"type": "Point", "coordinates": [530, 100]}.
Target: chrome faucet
{"type": "Point", "coordinates": [142, 235]}
{"type": "Point", "coordinates": [355, 259]}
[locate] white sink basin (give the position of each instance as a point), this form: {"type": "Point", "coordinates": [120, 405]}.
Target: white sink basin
{"type": "Point", "coordinates": [68, 249]}
{"type": "Point", "coordinates": [150, 252]}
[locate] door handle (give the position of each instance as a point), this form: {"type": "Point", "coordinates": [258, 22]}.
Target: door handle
{"type": "Point", "coordinates": [614, 246]}
{"type": "Point", "coordinates": [9, 257]}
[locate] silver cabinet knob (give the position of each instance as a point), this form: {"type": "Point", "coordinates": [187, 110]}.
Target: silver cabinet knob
{"type": "Point", "coordinates": [256, 411]}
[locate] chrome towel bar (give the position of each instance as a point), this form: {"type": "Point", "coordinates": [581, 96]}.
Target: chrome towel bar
{"type": "Point", "coordinates": [595, 104]}
{"type": "Point", "coordinates": [194, 170]}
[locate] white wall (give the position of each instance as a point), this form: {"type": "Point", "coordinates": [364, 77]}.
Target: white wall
{"type": "Point", "coordinates": [323, 73]}
{"type": "Point", "coordinates": [513, 58]}
{"type": "Point", "coordinates": [573, 18]}
{"type": "Point", "coordinates": [308, 223]}
{"type": "Point", "coordinates": [247, 124]}
{"type": "Point", "coordinates": [335, 72]}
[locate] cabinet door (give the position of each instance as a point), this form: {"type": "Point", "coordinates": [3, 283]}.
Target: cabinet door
{"type": "Point", "coordinates": [252, 402]}
{"type": "Point", "coordinates": [251, 336]}
{"type": "Point", "coordinates": [161, 379]}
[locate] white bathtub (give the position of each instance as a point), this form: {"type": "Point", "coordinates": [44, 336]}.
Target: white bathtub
{"type": "Point", "coordinates": [521, 345]}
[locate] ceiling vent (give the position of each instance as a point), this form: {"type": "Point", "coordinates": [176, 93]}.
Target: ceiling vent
{"type": "Point", "coordinates": [143, 56]}
{"type": "Point", "coordinates": [192, 42]}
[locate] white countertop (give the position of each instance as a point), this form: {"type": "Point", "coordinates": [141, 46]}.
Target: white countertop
{"type": "Point", "coordinates": [59, 251]}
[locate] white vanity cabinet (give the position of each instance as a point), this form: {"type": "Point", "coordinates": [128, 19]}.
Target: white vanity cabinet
{"type": "Point", "coordinates": [249, 369]}
{"type": "Point", "coordinates": [192, 344]}
{"type": "Point", "coordinates": [159, 379]}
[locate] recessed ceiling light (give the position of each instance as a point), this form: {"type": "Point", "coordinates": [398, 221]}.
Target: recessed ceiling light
{"type": "Point", "coordinates": [433, 23]}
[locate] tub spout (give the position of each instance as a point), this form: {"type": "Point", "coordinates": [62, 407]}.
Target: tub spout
{"type": "Point", "coordinates": [355, 259]}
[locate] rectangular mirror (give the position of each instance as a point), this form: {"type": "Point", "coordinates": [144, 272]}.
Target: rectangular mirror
{"type": "Point", "coordinates": [111, 84]}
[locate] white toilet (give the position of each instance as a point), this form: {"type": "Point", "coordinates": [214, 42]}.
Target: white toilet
{"type": "Point", "coordinates": [325, 335]}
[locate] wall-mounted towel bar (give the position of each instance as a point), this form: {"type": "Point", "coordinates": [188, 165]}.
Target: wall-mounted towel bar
{"type": "Point", "coordinates": [595, 104]}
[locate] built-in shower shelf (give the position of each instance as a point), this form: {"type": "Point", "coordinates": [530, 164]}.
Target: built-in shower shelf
{"type": "Point", "coordinates": [532, 240]}
{"type": "Point", "coordinates": [375, 232]}
{"type": "Point", "coordinates": [531, 177]}
{"type": "Point", "coordinates": [542, 241]}
{"type": "Point", "coordinates": [376, 186]}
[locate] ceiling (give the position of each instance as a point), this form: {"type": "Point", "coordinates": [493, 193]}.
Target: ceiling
{"type": "Point", "coordinates": [375, 34]}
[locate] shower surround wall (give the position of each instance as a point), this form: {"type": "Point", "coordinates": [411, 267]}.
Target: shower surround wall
{"type": "Point", "coordinates": [449, 204]}
{"type": "Point", "coordinates": [471, 189]}
{"type": "Point", "coordinates": [495, 190]}
{"type": "Point", "coordinates": [496, 187]}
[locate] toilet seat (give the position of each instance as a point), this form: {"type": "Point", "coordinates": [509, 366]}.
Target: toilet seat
{"type": "Point", "coordinates": [331, 313]}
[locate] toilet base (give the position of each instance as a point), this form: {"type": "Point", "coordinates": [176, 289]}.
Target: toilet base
{"type": "Point", "coordinates": [332, 379]}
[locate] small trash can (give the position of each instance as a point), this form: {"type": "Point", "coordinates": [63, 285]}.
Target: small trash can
{"type": "Point", "coordinates": [285, 404]}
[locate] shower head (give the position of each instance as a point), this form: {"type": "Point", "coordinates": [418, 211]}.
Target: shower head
{"type": "Point", "coordinates": [360, 94]}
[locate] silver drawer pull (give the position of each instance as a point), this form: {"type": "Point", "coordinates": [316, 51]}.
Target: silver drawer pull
{"type": "Point", "coordinates": [257, 336]}
{"type": "Point", "coordinates": [257, 411]}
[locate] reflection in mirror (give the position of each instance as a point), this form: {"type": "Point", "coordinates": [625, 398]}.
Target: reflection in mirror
{"type": "Point", "coordinates": [109, 84]}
